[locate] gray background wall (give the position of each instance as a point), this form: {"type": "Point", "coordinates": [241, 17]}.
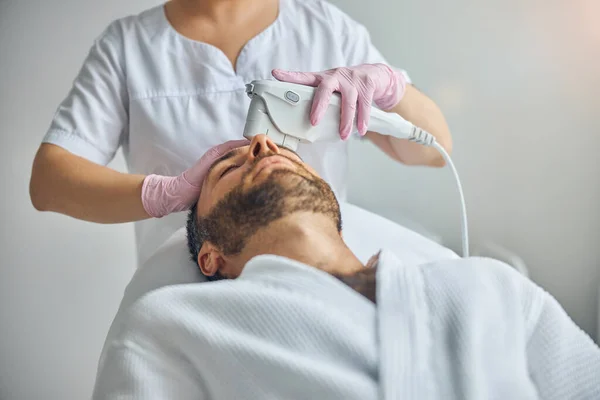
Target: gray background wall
{"type": "Point", "coordinates": [517, 80]}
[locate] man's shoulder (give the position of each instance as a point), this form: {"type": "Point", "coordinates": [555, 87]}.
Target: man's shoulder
{"type": "Point", "coordinates": [180, 294]}
{"type": "Point", "coordinates": [471, 279]}
{"type": "Point", "coordinates": [170, 306]}
{"type": "Point", "coordinates": [480, 275]}
{"type": "Point", "coordinates": [473, 268]}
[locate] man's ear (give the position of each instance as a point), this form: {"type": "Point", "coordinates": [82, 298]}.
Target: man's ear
{"type": "Point", "coordinates": [210, 259]}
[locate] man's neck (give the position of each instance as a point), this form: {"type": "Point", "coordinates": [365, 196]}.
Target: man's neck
{"type": "Point", "coordinates": [308, 238]}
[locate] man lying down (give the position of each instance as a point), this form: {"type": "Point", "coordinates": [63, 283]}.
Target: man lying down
{"type": "Point", "coordinates": [293, 314]}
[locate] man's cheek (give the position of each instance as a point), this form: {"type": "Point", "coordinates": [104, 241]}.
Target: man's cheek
{"type": "Point", "coordinates": [224, 187]}
{"type": "Point", "coordinates": [311, 170]}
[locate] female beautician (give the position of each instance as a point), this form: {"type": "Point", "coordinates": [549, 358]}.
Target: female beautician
{"type": "Point", "coordinates": [168, 84]}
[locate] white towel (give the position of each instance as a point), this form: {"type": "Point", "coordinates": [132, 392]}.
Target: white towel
{"type": "Point", "coordinates": [458, 329]}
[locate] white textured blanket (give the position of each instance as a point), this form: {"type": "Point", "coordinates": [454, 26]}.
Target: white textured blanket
{"type": "Point", "coordinates": [457, 329]}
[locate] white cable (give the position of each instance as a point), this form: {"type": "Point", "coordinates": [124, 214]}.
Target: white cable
{"type": "Point", "coordinates": [463, 206]}
{"type": "Point", "coordinates": [425, 138]}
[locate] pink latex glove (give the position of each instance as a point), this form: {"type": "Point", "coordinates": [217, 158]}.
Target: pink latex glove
{"type": "Point", "coordinates": [359, 87]}
{"type": "Point", "coordinates": [163, 195]}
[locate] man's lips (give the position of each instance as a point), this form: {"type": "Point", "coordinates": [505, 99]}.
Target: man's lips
{"type": "Point", "coordinates": [271, 162]}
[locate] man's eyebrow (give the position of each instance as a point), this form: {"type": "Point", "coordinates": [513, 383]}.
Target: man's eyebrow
{"type": "Point", "coordinates": [226, 156]}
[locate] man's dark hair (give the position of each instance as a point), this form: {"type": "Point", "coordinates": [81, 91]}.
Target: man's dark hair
{"type": "Point", "coordinates": [196, 236]}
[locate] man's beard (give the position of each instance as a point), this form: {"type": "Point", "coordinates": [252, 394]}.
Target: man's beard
{"type": "Point", "coordinates": [242, 212]}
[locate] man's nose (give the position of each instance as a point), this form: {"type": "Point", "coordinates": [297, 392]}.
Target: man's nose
{"type": "Point", "coordinates": [261, 145]}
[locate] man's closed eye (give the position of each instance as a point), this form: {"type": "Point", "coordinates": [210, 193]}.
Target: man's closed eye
{"type": "Point", "coordinates": [229, 169]}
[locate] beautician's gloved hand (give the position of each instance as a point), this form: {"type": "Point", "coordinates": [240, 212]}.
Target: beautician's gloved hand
{"type": "Point", "coordinates": [163, 195]}
{"type": "Point", "coordinates": [359, 87]}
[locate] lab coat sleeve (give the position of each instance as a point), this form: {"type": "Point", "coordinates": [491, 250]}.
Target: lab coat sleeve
{"type": "Point", "coordinates": [93, 118]}
{"type": "Point", "coordinates": [564, 362]}
{"type": "Point", "coordinates": [356, 41]}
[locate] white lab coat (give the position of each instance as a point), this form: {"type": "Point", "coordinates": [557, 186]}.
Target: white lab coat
{"type": "Point", "coordinates": [166, 99]}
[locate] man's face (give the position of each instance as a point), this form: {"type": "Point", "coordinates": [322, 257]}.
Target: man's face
{"type": "Point", "coordinates": [239, 168]}
{"type": "Point", "coordinates": [254, 185]}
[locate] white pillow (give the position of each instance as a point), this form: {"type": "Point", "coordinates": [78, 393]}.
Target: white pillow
{"type": "Point", "coordinates": [364, 232]}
